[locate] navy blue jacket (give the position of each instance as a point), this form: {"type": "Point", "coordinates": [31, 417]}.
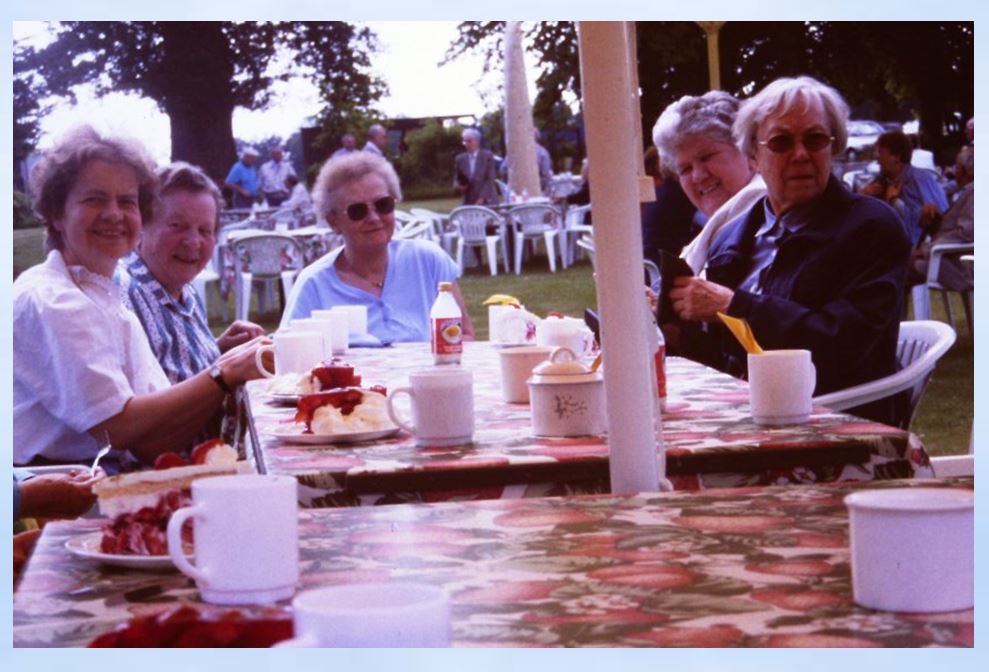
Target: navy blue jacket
{"type": "Point", "coordinates": [835, 288]}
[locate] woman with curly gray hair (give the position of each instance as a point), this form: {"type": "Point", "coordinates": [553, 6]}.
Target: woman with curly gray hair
{"type": "Point", "coordinates": [84, 374]}
{"type": "Point", "coordinates": [694, 138]}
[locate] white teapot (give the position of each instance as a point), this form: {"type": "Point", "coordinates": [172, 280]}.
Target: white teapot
{"type": "Point", "coordinates": [567, 398]}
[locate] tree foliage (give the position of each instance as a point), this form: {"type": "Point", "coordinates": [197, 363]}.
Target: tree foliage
{"type": "Point", "coordinates": [426, 166]}
{"type": "Point", "coordinates": [890, 70]}
{"type": "Point", "coordinates": [200, 71]}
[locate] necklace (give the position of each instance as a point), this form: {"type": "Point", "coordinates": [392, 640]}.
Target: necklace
{"type": "Point", "coordinates": [348, 268]}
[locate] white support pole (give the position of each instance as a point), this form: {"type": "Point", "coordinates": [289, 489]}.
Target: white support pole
{"type": "Point", "coordinates": [523, 175]}
{"type": "Point", "coordinates": [614, 145]}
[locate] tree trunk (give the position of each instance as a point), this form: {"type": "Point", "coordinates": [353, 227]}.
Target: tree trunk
{"type": "Point", "coordinates": [197, 95]}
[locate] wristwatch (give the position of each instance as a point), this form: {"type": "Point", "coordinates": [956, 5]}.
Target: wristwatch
{"type": "Point", "coordinates": [217, 375]}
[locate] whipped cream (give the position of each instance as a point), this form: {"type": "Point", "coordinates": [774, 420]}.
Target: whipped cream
{"type": "Point", "coordinates": [368, 416]}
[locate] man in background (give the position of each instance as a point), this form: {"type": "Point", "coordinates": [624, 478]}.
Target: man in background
{"type": "Point", "coordinates": [348, 146]}
{"type": "Point", "coordinates": [474, 171]}
{"type": "Point", "coordinates": [242, 179]}
{"type": "Point", "coordinates": [272, 176]}
{"type": "Point", "coordinates": [377, 140]}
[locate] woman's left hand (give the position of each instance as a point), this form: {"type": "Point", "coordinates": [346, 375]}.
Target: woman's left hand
{"type": "Point", "coordinates": [238, 333]}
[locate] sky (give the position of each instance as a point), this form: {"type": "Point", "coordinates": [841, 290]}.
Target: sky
{"type": "Point", "coordinates": [408, 61]}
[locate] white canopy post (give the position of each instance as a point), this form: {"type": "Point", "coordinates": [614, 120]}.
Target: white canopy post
{"type": "Point", "coordinates": [523, 175]}
{"type": "Point", "coordinates": [614, 146]}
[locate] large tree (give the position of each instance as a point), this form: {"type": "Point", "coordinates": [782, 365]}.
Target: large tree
{"type": "Point", "coordinates": [200, 71]}
{"type": "Point", "coordinates": [925, 68]}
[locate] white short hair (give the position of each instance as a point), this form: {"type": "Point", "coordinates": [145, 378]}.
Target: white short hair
{"type": "Point", "coordinates": [471, 133]}
{"type": "Point", "coordinates": [710, 115]}
{"type": "Point", "coordinates": [348, 168]}
{"type": "Point", "coordinates": [785, 94]}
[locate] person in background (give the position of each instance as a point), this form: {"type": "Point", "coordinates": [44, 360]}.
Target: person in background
{"type": "Point", "coordinates": [913, 192]}
{"type": "Point", "coordinates": [84, 373]}
{"type": "Point", "coordinates": [809, 266]}
{"type": "Point", "coordinates": [694, 139]}
{"type": "Point", "coordinates": [272, 176]}
{"type": "Point", "coordinates": [377, 140]}
{"type": "Point", "coordinates": [177, 243]}
{"type": "Point", "coordinates": [544, 162]}
{"type": "Point", "coordinates": [667, 222]}
{"type": "Point", "coordinates": [298, 194]}
{"type": "Point", "coordinates": [396, 279]}
{"type": "Point", "coordinates": [474, 171]}
{"type": "Point", "coordinates": [242, 179]}
{"type": "Point", "coordinates": [348, 146]}
{"type": "Point", "coordinates": [956, 226]}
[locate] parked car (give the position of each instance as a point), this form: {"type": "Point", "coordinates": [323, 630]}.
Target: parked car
{"type": "Point", "coordinates": [862, 136]}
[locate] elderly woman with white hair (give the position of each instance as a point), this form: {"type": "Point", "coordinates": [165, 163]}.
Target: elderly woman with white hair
{"type": "Point", "coordinates": [694, 139]}
{"type": "Point", "coordinates": [396, 279]}
{"type": "Point", "coordinates": [811, 265]}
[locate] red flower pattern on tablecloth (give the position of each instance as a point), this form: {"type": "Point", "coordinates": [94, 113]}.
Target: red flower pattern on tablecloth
{"type": "Point", "coordinates": [713, 636]}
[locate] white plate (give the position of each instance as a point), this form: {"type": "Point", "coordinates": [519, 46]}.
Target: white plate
{"type": "Point", "coordinates": [88, 546]}
{"type": "Point", "coordinates": [293, 435]}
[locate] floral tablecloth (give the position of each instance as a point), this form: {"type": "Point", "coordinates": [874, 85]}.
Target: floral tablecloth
{"type": "Point", "coordinates": [709, 437]}
{"type": "Point", "coordinates": [748, 567]}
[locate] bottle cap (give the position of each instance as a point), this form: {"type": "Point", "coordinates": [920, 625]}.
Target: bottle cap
{"type": "Point", "coordinates": [445, 286]}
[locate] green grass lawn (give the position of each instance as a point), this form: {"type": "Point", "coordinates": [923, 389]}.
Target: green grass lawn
{"type": "Point", "coordinates": [943, 421]}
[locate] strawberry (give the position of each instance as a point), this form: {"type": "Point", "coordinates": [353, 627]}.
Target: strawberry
{"type": "Point", "coordinates": [214, 451]}
{"type": "Point", "coordinates": [169, 459]}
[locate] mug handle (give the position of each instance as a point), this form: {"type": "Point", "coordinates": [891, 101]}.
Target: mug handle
{"type": "Point", "coordinates": [812, 378]}
{"type": "Point", "coordinates": [306, 641]}
{"type": "Point", "coordinates": [391, 409]}
{"type": "Point", "coordinates": [258, 361]}
{"type": "Point", "coordinates": [175, 542]}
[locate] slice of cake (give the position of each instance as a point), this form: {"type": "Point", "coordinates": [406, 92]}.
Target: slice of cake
{"type": "Point", "coordinates": [331, 374]}
{"type": "Point", "coordinates": [344, 411]}
{"type": "Point", "coordinates": [139, 504]}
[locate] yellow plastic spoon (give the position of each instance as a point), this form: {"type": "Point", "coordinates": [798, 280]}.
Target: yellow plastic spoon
{"type": "Point", "coordinates": [743, 332]}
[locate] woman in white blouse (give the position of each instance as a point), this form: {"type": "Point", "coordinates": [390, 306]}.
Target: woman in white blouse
{"type": "Point", "coordinates": [84, 372]}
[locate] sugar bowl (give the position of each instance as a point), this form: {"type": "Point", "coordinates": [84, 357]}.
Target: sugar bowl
{"type": "Point", "coordinates": [567, 398]}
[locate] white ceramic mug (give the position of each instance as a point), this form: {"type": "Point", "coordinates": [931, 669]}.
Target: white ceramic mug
{"type": "Point", "coordinates": [372, 615]}
{"type": "Point", "coordinates": [246, 538]}
{"type": "Point", "coordinates": [781, 385]}
{"type": "Point", "coordinates": [356, 318]}
{"type": "Point", "coordinates": [442, 406]}
{"type": "Point", "coordinates": [295, 352]}
{"type": "Point", "coordinates": [565, 332]}
{"type": "Point", "coordinates": [913, 549]}
{"type": "Point", "coordinates": [335, 327]}
{"type": "Point", "coordinates": [516, 367]}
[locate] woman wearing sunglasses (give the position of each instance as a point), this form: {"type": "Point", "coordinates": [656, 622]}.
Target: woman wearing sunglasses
{"type": "Point", "coordinates": [396, 279]}
{"type": "Point", "coordinates": [810, 265]}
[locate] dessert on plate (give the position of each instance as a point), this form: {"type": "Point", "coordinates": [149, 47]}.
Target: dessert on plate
{"type": "Point", "coordinates": [327, 375]}
{"type": "Point", "coordinates": [139, 504]}
{"type": "Point", "coordinates": [344, 411]}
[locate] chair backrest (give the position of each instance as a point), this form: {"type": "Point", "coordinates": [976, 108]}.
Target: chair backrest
{"type": "Point", "coordinates": [414, 228]}
{"type": "Point", "coordinates": [586, 242]}
{"type": "Point", "coordinates": [471, 222]}
{"type": "Point", "coordinates": [268, 254]}
{"type": "Point", "coordinates": [531, 220]}
{"type": "Point", "coordinates": [919, 346]}
{"type": "Point", "coordinates": [438, 220]}
{"type": "Point", "coordinates": [652, 273]}
{"type": "Point", "coordinates": [576, 215]}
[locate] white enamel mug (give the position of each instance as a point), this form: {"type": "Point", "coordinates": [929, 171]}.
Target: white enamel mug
{"type": "Point", "coordinates": [442, 406]}
{"type": "Point", "coordinates": [356, 318]}
{"type": "Point", "coordinates": [372, 615]}
{"type": "Point", "coordinates": [295, 352]}
{"type": "Point", "coordinates": [335, 327]}
{"type": "Point", "coordinates": [246, 538]}
{"type": "Point", "coordinates": [781, 386]}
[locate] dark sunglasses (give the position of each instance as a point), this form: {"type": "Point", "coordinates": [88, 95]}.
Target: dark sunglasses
{"type": "Point", "coordinates": [358, 211]}
{"type": "Point", "coordinates": [814, 141]}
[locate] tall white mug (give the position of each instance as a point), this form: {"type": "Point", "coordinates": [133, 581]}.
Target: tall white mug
{"type": "Point", "coordinates": [335, 327]}
{"type": "Point", "coordinates": [372, 615]}
{"type": "Point", "coordinates": [516, 367]}
{"type": "Point", "coordinates": [781, 385]}
{"type": "Point", "coordinates": [356, 318]}
{"type": "Point", "coordinates": [295, 352]}
{"type": "Point", "coordinates": [246, 538]}
{"type": "Point", "coordinates": [442, 406]}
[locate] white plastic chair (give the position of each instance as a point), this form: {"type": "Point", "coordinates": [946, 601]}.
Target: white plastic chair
{"type": "Point", "coordinates": [536, 222]}
{"type": "Point", "coordinates": [441, 227]}
{"type": "Point", "coordinates": [921, 294]}
{"type": "Point", "coordinates": [920, 345]}
{"type": "Point", "coordinates": [471, 224]}
{"type": "Point", "coordinates": [266, 258]}
{"type": "Point", "coordinates": [586, 243]}
{"type": "Point", "coordinates": [574, 226]}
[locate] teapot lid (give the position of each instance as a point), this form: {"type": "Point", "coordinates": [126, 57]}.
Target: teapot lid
{"type": "Point", "coordinates": [563, 367]}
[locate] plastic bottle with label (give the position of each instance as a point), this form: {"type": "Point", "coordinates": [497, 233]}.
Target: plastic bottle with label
{"type": "Point", "coordinates": [446, 327]}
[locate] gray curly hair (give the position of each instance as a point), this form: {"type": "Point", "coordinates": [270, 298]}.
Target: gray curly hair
{"type": "Point", "coordinates": [785, 94]}
{"type": "Point", "coordinates": [343, 170]}
{"type": "Point", "coordinates": [710, 115]}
